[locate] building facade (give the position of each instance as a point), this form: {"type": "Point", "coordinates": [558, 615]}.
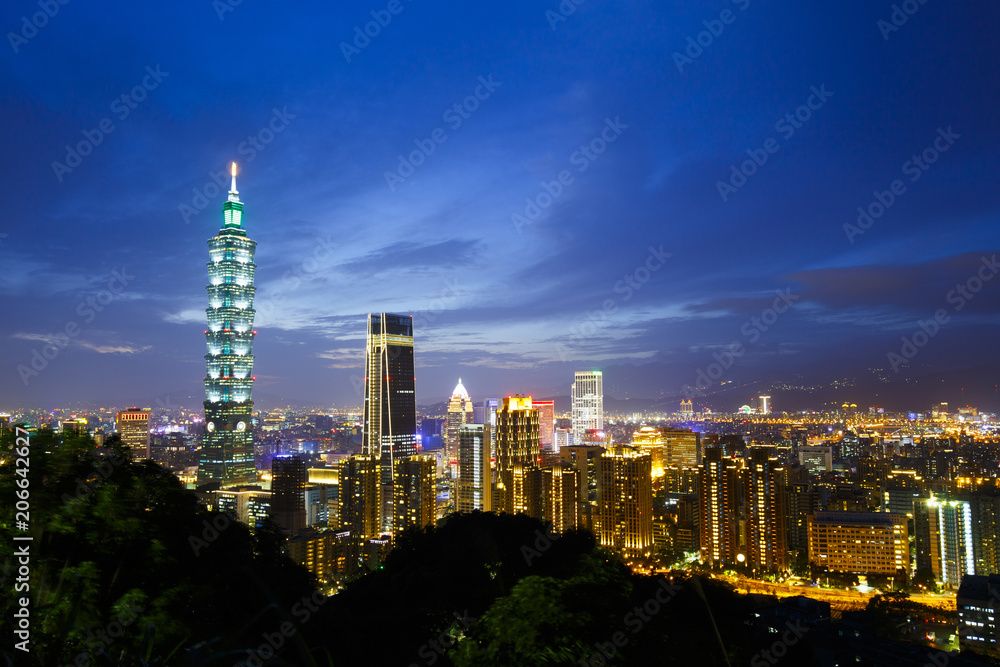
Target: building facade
{"type": "Point", "coordinates": [474, 443]}
{"type": "Point", "coordinates": [227, 454]}
{"type": "Point", "coordinates": [625, 502]}
{"type": "Point", "coordinates": [517, 452]}
{"type": "Point", "coordinates": [390, 410]}
{"type": "Point", "coordinates": [860, 542]}
{"type": "Point", "coordinates": [133, 427]}
{"type": "Point", "coordinates": [587, 395]}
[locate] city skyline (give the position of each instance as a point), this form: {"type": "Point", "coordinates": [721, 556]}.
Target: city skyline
{"type": "Point", "coordinates": [652, 214]}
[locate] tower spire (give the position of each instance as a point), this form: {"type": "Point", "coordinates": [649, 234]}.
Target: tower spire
{"type": "Point", "coordinates": [234, 194]}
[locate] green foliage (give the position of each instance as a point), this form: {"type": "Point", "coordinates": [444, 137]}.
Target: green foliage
{"type": "Point", "coordinates": [116, 577]}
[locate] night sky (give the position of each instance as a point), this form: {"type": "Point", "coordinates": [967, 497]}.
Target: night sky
{"type": "Point", "coordinates": [577, 209]}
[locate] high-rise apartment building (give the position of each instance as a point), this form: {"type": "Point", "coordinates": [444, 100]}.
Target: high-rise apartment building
{"type": "Point", "coordinates": [227, 454]}
{"type": "Point", "coordinates": [764, 484]}
{"type": "Point", "coordinates": [390, 410]}
{"type": "Point", "coordinates": [459, 412]}
{"type": "Point", "coordinates": [625, 501]}
{"type": "Point", "coordinates": [517, 452]}
{"type": "Point", "coordinates": [876, 542]}
{"type": "Point", "coordinates": [133, 428]}
{"type": "Point", "coordinates": [288, 483]}
{"type": "Point", "coordinates": [560, 506]}
{"type": "Point", "coordinates": [587, 393]}
{"type": "Point", "coordinates": [720, 495]}
{"type": "Point", "coordinates": [413, 493]}
{"type": "Point", "coordinates": [358, 500]}
{"type": "Point", "coordinates": [474, 468]}
{"type": "Point", "coordinates": [546, 424]}
{"type": "Point", "coordinates": [583, 460]}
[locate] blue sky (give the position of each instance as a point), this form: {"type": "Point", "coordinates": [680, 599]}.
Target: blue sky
{"type": "Point", "coordinates": [508, 297]}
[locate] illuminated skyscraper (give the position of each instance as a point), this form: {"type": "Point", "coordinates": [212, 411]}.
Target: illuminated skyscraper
{"type": "Point", "coordinates": [559, 496]}
{"type": "Point", "coordinates": [459, 412]}
{"type": "Point", "coordinates": [719, 498]}
{"type": "Point", "coordinates": [474, 468]}
{"type": "Point", "coordinates": [764, 493]}
{"type": "Point", "coordinates": [588, 403]}
{"type": "Point", "coordinates": [390, 428]}
{"type": "Point", "coordinates": [413, 492]}
{"type": "Point", "coordinates": [358, 502]}
{"type": "Point", "coordinates": [517, 454]}
{"type": "Point", "coordinates": [546, 424]}
{"type": "Point", "coordinates": [625, 501]}
{"type": "Point", "coordinates": [288, 484]}
{"type": "Point", "coordinates": [227, 448]}
{"type": "Point", "coordinates": [133, 427]}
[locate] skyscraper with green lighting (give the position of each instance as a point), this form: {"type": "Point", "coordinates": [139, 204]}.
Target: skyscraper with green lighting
{"type": "Point", "coordinates": [227, 449]}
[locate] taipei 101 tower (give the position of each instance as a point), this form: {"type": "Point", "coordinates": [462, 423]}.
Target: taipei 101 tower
{"type": "Point", "coordinates": [227, 449]}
